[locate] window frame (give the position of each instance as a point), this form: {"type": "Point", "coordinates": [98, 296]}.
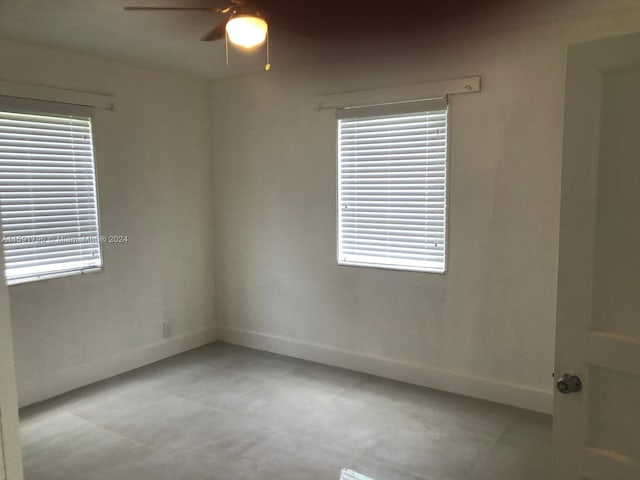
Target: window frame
{"type": "Point", "coordinates": [405, 107]}
{"type": "Point", "coordinates": [42, 107]}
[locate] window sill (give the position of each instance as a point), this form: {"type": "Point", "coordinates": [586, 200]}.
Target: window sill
{"type": "Point", "coordinates": [393, 267]}
{"type": "Point", "coordinates": [50, 276]}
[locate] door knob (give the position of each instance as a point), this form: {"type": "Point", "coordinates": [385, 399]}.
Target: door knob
{"type": "Point", "coordinates": [569, 384]}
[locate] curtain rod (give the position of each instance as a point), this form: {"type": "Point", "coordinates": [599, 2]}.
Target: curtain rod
{"type": "Point", "coordinates": [33, 91]}
{"type": "Point", "coordinates": [399, 94]}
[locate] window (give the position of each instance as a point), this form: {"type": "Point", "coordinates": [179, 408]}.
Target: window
{"type": "Point", "coordinates": [48, 201]}
{"type": "Point", "coordinates": [392, 186]}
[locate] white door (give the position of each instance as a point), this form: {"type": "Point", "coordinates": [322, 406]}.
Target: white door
{"type": "Point", "coordinates": [596, 431]}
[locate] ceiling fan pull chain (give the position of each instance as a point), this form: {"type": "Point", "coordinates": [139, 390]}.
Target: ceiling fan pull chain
{"type": "Point", "coordinates": [267, 65]}
{"type": "Point", "coordinates": [226, 46]}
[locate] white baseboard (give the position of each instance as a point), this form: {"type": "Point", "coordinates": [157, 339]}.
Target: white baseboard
{"type": "Point", "coordinates": [478, 387]}
{"type": "Point", "coordinates": [100, 369]}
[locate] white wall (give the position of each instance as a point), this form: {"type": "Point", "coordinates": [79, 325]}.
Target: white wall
{"type": "Point", "coordinates": [154, 180]}
{"type": "Point", "coordinates": [10, 453]}
{"type": "Point", "coordinates": [486, 328]}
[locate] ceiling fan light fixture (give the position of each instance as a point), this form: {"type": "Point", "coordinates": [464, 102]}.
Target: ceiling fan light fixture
{"type": "Point", "coordinates": [247, 31]}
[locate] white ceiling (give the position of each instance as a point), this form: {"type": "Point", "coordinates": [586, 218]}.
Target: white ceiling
{"type": "Point", "coordinates": [167, 40]}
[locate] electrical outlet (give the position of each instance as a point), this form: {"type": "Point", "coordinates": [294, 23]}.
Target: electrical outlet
{"type": "Point", "coordinates": [166, 330]}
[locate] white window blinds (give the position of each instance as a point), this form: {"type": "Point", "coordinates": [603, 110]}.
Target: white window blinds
{"type": "Point", "coordinates": [392, 186]}
{"type": "Point", "coordinates": [47, 195]}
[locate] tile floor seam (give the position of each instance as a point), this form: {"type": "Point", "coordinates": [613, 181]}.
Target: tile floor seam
{"type": "Point", "coordinates": [396, 466]}
{"type": "Point", "coordinates": [97, 426]}
{"type": "Point", "coordinates": [111, 430]}
{"type": "Point", "coordinates": [485, 454]}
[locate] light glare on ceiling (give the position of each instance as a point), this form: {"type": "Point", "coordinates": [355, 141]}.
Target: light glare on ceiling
{"type": "Point", "coordinates": [247, 31]}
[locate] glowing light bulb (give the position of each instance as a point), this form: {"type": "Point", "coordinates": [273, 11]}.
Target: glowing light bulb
{"type": "Point", "coordinates": [247, 31]}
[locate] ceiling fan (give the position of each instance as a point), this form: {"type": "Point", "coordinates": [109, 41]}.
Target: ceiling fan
{"type": "Point", "coordinates": [244, 25]}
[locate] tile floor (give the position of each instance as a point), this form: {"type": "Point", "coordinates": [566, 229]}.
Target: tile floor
{"type": "Point", "coordinates": [223, 412]}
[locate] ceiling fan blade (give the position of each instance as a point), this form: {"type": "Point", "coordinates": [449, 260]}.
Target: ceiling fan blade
{"type": "Point", "coordinates": [217, 33]}
{"type": "Point", "coordinates": [203, 9]}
